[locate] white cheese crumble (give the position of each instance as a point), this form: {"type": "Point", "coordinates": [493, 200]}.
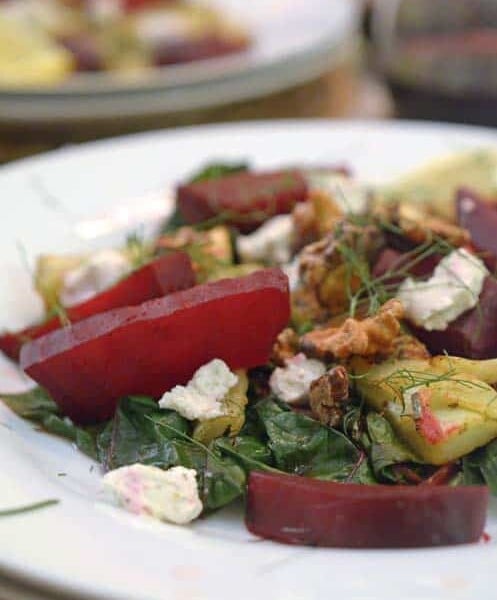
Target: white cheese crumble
{"type": "Point", "coordinates": [292, 382]}
{"type": "Point", "coordinates": [292, 271]}
{"type": "Point", "coordinates": [170, 495]}
{"type": "Point", "coordinates": [102, 270]}
{"type": "Point", "coordinates": [271, 243]}
{"type": "Point", "coordinates": [453, 289]}
{"type": "Point", "coordinates": [202, 398]}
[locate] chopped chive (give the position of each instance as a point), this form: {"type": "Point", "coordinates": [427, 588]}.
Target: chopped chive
{"type": "Point", "coordinates": [10, 512]}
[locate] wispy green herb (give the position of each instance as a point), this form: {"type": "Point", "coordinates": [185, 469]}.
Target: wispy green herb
{"type": "Point", "coordinates": [18, 510]}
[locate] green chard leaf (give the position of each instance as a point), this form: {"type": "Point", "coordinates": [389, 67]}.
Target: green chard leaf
{"type": "Point", "coordinates": [141, 432]}
{"type": "Point", "coordinates": [384, 447]}
{"type": "Point", "coordinates": [480, 467]}
{"type": "Point", "coordinates": [174, 222]}
{"type": "Point", "coordinates": [135, 435]}
{"type": "Point", "coordinates": [35, 404]}
{"type": "Point", "coordinates": [217, 170]}
{"type": "Point", "coordinates": [250, 452]}
{"type": "Point", "coordinates": [304, 446]}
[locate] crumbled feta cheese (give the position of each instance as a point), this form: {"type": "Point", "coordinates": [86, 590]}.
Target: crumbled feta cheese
{"type": "Point", "coordinates": [202, 398]}
{"type": "Point", "coordinates": [292, 271]}
{"type": "Point", "coordinates": [292, 382]}
{"type": "Point", "coordinates": [453, 289]}
{"type": "Point", "coordinates": [348, 194]}
{"type": "Point", "coordinates": [271, 243]}
{"type": "Point", "coordinates": [102, 270]}
{"type": "Point", "coordinates": [170, 495]}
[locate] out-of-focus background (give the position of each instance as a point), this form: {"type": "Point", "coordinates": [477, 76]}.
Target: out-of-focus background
{"type": "Point", "coordinates": [74, 70]}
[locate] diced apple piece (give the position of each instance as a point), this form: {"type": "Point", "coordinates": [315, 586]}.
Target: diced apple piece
{"type": "Point", "coordinates": [441, 413]}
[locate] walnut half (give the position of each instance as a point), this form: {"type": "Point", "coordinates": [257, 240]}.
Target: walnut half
{"type": "Point", "coordinates": [329, 396]}
{"type": "Point", "coordinates": [367, 337]}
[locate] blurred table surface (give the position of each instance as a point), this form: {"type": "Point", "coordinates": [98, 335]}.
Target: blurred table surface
{"type": "Point", "coordinates": [347, 91]}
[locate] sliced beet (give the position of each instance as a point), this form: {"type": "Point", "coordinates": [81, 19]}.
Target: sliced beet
{"type": "Point", "coordinates": [299, 510]}
{"type": "Point", "coordinates": [161, 276]}
{"type": "Point", "coordinates": [479, 217]}
{"type": "Point", "coordinates": [394, 260]}
{"type": "Point", "coordinates": [243, 199]}
{"type": "Point", "coordinates": [473, 334]}
{"type": "Point", "coordinates": [147, 349]}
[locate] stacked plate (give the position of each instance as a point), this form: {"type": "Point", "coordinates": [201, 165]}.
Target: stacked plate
{"type": "Point", "coordinates": [294, 41]}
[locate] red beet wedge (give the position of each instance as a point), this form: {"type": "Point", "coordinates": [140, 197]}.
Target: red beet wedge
{"type": "Point", "coordinates": [299, 510]}
{"type": "Point", "coordinates": [160, 277]}
{"type": "Point", "coordinates": [149, 348]}
{"type": "Point", "coordinates": [480, 219]}
{"type": "Point", "coordinates": [245, 199]}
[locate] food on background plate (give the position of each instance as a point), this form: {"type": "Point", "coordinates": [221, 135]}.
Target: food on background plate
{"type": "Point", "coordinates": [45, 43]}
{"type": "Point", "coordinates": [323, 347]}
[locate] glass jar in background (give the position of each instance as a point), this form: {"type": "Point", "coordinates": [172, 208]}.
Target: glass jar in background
{"type": "Point", "coordinates": [439, 57]}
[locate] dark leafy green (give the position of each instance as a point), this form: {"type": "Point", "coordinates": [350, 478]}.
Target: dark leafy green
{"type": "Point", "coordinates": [217, 170]}
{"type": "Point", "coordinates": [140, 432]}
{"type": "Point", "coordinates": [174, 222]}
{"type": "Point", "coordinates": [250, 451]}
{"type": "Point", "coordinates": [384, 447]}
{"type": "Point", "coordinates": [85, 439]}
{"type": "Point", "coordinates": [480, 467]}
{"type": "Point", "coordinates": [304, 446]}
{"type": "Point", "coordinates": [38, 406]}
{"type": "Point", "coordinates": [135, 435]}
{"type": "Point", "coordinates": [35, 404]}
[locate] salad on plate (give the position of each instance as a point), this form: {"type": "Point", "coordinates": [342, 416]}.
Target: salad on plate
{"type": "Point", "coordinates": [48, 43]}
{"type": "Point", "coordinates": [323, 348]}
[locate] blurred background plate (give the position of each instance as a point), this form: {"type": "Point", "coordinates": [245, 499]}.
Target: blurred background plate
{"type": "Point", "coordinates": [294, 41]}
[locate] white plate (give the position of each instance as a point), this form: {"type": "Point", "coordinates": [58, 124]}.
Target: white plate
{"type": "Point", "coordinates": [82, 547]}
{"type": "Point", "coordinates": [293, 41]}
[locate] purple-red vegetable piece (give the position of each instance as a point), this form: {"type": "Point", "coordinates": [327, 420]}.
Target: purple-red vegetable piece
{"type": "Point", "coordinates": [480, 219]}
{"type": "Point", "coordinates": [161, 276]}
{"type": "Point", "coordinates": [243, 199]}
{"type": "Point", "coordinates": [473, 334]}
{"type": "Point", "coordinates": [300, 510]}
{"type": "Point", "coordinates": [147, 349]}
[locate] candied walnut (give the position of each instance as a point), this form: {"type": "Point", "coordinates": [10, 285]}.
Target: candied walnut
{"type": "Point", "coordinates": [306, 308]}
{"type": "Point", "coordinates": [329, 396]}
{"type": "Point", "coordinates": [328, 274]}
{"type": "Point", "coordinates": [370, 336]}
{"type": "Point", "coordinates": [326, 211]}
{"type": "Point", "coordinates": [304, 225]}
{"type": "Point", "coordinates": [285, 347]}
{"type": "Point", "coordinates": [315, 218]}
{"type": "Point", "coordinates": [405, 347]}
